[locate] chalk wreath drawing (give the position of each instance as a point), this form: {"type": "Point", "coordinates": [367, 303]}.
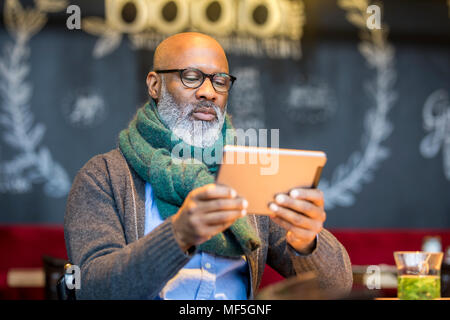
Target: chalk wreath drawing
{"type": "Point", "coordinates": [32, 164]}
{"type": "Point", "coordinates": [436, 121]}
{"type": "Point", "coordinates": [349, 177]}
{"type": "Point", "coordinates": [85, 108]}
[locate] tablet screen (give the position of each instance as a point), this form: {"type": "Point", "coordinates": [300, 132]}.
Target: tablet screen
{"type": "Point", "coordinates": [258, 174]}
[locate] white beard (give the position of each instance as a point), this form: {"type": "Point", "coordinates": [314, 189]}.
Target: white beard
{"type": "Point", "coordinates": [177, 118]}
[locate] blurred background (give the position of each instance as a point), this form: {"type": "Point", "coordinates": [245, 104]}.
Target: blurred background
{"type": "Point", "coordinates": [370, 88]}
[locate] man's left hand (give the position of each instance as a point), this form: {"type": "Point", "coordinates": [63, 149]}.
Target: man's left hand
{"type": "Point", "coordinates": [302, 214]}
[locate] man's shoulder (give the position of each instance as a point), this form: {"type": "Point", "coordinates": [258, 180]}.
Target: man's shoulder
{"type": "Point", "coordinates": [105, 163]}
{"type": "Point", "coordinates": [114, 157]}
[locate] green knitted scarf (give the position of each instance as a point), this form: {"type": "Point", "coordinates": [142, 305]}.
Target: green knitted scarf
{"type": "Point", "coordinates": [147, 145]}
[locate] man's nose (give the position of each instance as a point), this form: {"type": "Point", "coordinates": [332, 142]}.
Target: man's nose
{"type": "Point", "coordinates": [206, 91]}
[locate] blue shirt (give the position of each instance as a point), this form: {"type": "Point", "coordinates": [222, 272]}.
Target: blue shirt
{"type": "Point", "coordinates": [205, 276]}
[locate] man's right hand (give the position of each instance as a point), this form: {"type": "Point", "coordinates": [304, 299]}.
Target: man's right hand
{"type": "Point", "coordinates": [205, 212]}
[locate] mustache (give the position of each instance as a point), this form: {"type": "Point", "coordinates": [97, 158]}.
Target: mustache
{"type": "Point", "coordinates": [206, 107]}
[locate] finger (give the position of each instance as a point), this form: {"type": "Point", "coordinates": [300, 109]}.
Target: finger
{"type": "Point", "coordinates": [300, 236]}
{"type": "Point", "coordinates": [214, 191]}
{"type": "Point", "coordinates": [301, 206]}
{"type": "Point", "coordinates": [296, 232]}
{"type": "Point", "coordinates": [212, 230]}
{"type": "Point", "coordinates": [313, 195]}
{"type": "Point", "coordinates": [223, 217]}
{"type": "Point", "coordinates": [222, 204]}
{"type": "Point", "coordinates": [295, 219]}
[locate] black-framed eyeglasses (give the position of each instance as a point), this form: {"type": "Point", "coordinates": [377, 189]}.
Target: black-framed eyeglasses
{"type": "Point", "coordinates": [194, 78]}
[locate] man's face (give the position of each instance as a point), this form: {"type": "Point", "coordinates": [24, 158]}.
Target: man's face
{"type": "Point", "coordinates": [194, 115]}
{"type": "Point", "coordinates": [183, 119]}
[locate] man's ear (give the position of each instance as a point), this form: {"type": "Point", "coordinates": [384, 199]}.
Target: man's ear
{"type": "Point", "coordinates": [153, 84]}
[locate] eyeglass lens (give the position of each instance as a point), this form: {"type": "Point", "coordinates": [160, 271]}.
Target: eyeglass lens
{"type": "Point", "coordinates": [194, 78]}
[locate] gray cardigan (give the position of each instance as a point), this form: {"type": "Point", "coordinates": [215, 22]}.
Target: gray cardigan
{"type": "Point", "coordinates": [104, 233]}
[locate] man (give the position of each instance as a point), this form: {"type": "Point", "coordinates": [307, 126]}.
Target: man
{"type": "Point", "coordinates": [143, 226]}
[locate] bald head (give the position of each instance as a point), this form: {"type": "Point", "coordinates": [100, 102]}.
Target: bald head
{"type": "Point", "coordinates": [185, 49]}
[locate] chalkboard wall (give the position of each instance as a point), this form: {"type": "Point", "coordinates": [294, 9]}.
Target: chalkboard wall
{"type": "Point", "coordinates": [379, 108]}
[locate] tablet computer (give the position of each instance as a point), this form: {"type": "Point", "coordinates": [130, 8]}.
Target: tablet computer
{"type": "Point", "coordinates": [258, 174]}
